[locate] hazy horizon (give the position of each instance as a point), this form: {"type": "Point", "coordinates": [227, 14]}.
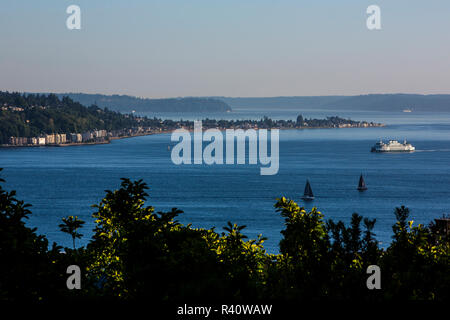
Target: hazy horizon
{"type": "Point", "coordinates": [242, 49]}
{"type": "Point", "coordinates": [239, 97]}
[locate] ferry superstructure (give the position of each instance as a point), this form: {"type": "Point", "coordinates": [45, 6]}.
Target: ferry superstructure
{"type": "Point", "coordinates": [393, 146]}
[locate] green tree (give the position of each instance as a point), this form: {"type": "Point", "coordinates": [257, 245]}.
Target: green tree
{"type": "Point", "coordinates": [29, 269]}
{"type": "Point", "coordinates": [417, 267]}
{"type": "Point", "coordinates": [135, 249]}
{"type": "Point", "coordinates": [114, 217]}
{"type": "Point", "coordinates": [303, 264]}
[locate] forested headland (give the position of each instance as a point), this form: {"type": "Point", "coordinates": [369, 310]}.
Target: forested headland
{"type": "Point", "coordinates": [28, 115]}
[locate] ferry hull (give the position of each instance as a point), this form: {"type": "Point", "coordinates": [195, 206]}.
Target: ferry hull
{"type": "Point", "coordinates": [392, 151]}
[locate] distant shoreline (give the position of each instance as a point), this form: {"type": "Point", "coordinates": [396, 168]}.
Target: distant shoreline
{"type": "Point", "coordinates": [76, 144]}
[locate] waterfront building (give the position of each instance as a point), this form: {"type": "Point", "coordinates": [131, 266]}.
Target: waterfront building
{"type": "Point", "coordinates": [86, 136]}
{"type": "Point", "coordinates": [72, 137]}
{"type": "Point", "coordinates": [75, 137]}
{"type": "Point", "coordinates": [50, 139]}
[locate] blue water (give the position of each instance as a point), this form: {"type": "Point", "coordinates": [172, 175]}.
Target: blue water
{"type": "Point", "coordinates": [67, 181]}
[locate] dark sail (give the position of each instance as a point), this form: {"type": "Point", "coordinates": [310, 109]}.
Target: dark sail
{"type": "Point", "coordinates": [308, 190]}
{"type": "Point", "coordinates": [361, 184]}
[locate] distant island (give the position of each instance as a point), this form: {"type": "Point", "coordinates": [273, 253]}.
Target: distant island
{"type": "Point", "coordinates": [370, 102]}
{"type": "Point", "coordinates": [46, 120]}
{"type": "Point", "coordinates": [127, 104]}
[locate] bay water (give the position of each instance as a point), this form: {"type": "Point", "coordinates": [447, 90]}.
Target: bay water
{"type": "Point", "coordinates": [62, 181]}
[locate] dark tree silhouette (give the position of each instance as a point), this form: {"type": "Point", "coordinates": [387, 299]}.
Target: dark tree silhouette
{"type": "Point", "coordinates": [70, 225]}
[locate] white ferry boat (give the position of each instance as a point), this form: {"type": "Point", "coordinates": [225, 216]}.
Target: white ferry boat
{"type": "Point", "coordinates": [393, 146]}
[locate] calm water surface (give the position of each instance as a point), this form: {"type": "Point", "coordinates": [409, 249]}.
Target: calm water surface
{"type": "Point", "coordinates": [67, 181]}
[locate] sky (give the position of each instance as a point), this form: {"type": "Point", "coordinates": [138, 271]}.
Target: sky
{"type": "Point", "coordinates": [237, 48]}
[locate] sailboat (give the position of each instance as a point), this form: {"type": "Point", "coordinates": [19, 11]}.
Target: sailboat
{"type": "Point", "coordinates": [308, 194]}
{"type": "Point", "coordinates": [361, 184]}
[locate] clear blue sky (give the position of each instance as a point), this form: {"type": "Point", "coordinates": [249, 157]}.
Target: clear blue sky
{"type": "Point", "coordinates": [171, 48]}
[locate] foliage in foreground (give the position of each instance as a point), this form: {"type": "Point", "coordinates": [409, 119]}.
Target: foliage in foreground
{"type": "Point", "coordinates": [136, 253]}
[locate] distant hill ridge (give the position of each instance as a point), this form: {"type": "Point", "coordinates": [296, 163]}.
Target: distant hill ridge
{"type": "Point", "coordinates": [125, 103]}
{"type": "Point", "coordinates": [375, 102]}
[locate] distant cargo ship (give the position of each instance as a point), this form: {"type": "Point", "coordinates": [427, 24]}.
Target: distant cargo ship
{"type": "Point", "coordinates": [392, 146]}
{"type": "Point", "coordinates": [407, 110]}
